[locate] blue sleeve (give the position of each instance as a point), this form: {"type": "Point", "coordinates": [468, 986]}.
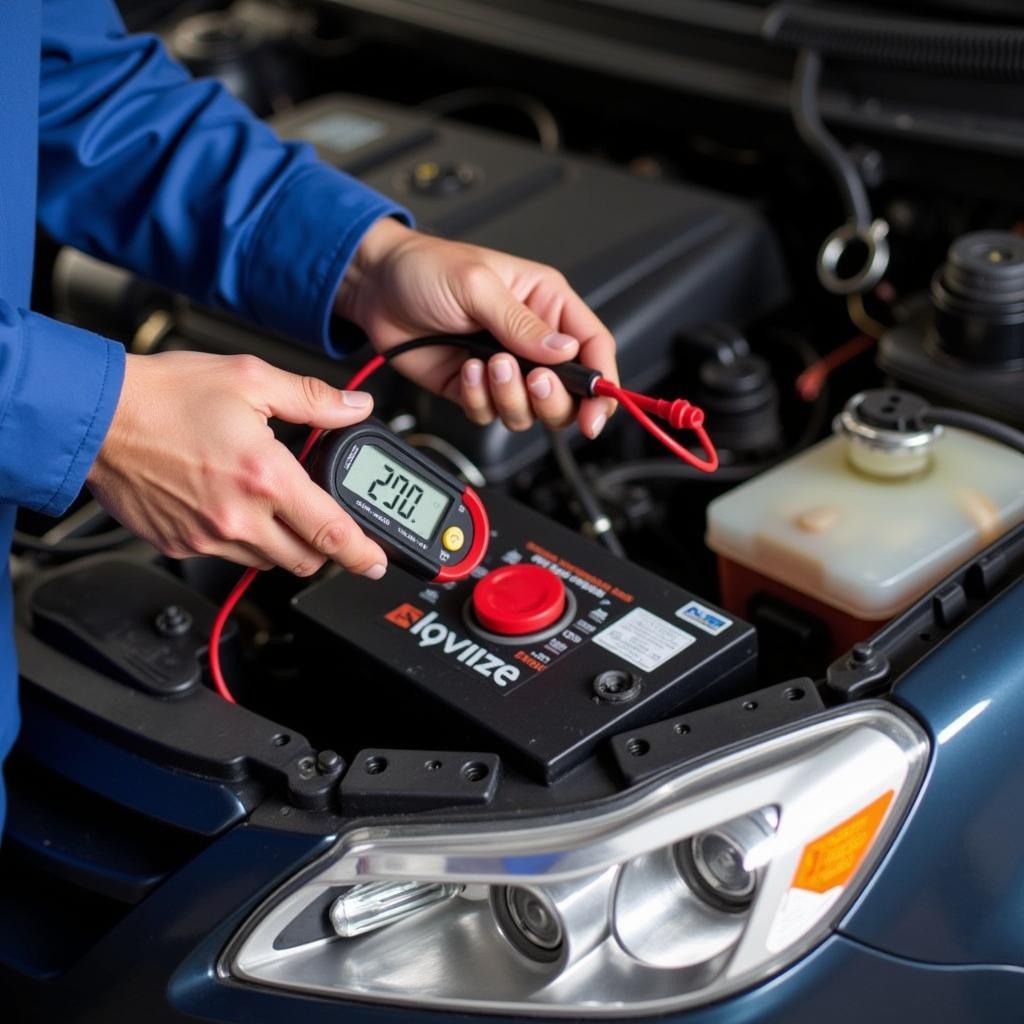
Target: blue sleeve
{"type": "Point", "coordinates": [59, 387]}
{"type": "Point", "coordinates": [173, 178]}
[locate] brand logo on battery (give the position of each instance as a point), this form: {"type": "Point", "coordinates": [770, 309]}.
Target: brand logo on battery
{"type": "Point", "coordinates": [405, 615]}
{"type": "Point", "coordinates": [705, 618]}
{"type": "Point", "coordinates": [429, 632]}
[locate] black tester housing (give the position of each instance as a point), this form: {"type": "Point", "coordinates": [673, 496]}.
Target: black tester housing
{"type": "Point", "coordinates": [552, 646]}
{"type": "Point", "coordinates": [426, 520]}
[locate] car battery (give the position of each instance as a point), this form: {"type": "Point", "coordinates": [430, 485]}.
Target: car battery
{"type": "Point", "coordinates": [553, 644]}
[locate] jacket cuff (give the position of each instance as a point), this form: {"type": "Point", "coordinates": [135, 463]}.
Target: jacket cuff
{"type": "Point", "coordinates": [67, 388]}
{"type": "Point", "coordinates": [302, 248]}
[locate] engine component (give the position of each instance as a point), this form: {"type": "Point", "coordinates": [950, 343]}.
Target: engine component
{"type": "Point", "coordinates": [969, 347]}
{"type": "Point", "coordinates": [652, 258]}
{"type": "Point", "coordinates": [242, 46]}
{"type": "Point", "coordinates": [129, 620]}
{"type": "Point", "coordinates": [978, 295]}
{"type": "Point", "coordinates": [886, 435]}
{"type": "Point", "coordinates": [741, 402]}
{"type": "Point", "coordinates": [101, 297]}
{"type": "Point", "coordinates": [858, 527]}
{"type": "Point", "coordinates": [554, 645]}
{"type": "Point", "coordinates": [860, 234]}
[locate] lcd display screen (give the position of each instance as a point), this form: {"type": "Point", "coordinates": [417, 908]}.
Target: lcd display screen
{"type": "Point", "coordinates": [392, 488]}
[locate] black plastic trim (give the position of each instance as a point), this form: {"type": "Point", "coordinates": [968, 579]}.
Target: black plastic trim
{"type": "Point", "coordinates": [390, 781]}
{"type": "Point", "coordinates": [641, 754]}
{"type": "Point", "coordinates": [871, 667]}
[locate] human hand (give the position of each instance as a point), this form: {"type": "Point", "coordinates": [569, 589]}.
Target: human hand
{"type": "Point", "coordinates": [403, 284]}
{"type": "Point", "coordinates": [191, 464]}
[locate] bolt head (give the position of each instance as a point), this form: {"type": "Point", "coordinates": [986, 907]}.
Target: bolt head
{"type": "Point", "coordinates": [173, 621]}
{"type": "Point", "coordinates": [329, 761]}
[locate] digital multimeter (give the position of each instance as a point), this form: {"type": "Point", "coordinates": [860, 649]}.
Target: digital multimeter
{"type": "Point", "coordinates": [425, 519]}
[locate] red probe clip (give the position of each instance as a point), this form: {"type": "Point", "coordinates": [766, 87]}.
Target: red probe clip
{"type": "Point", "coordinates": [584, 382]}
{"type": "Point", "coordinates": [677, 412]}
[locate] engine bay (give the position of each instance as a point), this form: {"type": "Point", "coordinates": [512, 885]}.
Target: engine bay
{"type": "Point", "coordinates": [688, 611]}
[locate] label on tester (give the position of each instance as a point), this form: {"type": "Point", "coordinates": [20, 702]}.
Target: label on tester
{"type": "Point", "coordinates": [644, 640]}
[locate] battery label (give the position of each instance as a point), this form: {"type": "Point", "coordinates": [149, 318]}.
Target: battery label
{"type": "Point", "coordinates": [703, 617]}
{"type": "Point", "coordinates": [643, 639]}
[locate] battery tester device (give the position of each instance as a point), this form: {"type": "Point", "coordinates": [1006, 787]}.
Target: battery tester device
{"type": "Point", "coordinates": [426, 520]}
{"type": "Point", "coordinates": [436, 527]}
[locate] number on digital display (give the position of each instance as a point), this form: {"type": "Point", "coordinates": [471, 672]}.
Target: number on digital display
{"type": "Point", "coordinates": [400, 485]}
{"type": "Point", "coordinates": [383, 481]}
{"type": "Point", "coordinates": [410, 501]}
{"type": "Point", "coordinates": [390, 470]}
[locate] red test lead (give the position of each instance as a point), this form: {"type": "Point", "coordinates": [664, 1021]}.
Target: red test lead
{"type": "Point", "coordinates": [678, 413]}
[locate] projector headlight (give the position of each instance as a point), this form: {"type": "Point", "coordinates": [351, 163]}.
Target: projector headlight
{"type": "Point", "coordinates": [699, 884]}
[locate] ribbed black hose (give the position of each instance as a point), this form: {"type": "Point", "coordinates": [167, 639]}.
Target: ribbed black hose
{"type": "Point", "coordinates": [954, 49]}
{"type": "Point", "coordinates": [817, 138]}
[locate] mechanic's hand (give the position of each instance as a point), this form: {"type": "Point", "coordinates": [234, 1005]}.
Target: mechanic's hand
{"type": "Point", "coordinates": [403, 284]}
{"type": "Point", "coordinates": [191, 464]}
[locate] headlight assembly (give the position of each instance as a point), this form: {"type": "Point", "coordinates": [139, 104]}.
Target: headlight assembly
{"type": "Point", "coordinates": [707, 881]}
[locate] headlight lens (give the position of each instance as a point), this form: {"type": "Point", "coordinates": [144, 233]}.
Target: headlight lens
{"type": "Point", "coordinates": [704, 882]}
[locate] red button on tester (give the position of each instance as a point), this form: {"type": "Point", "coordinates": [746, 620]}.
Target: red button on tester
{"type": "Point", "coordinates": [518, 599]}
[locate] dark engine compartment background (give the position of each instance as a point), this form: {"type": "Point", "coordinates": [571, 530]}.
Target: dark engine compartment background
{"type": "Point", "coordinates": [651, 157]}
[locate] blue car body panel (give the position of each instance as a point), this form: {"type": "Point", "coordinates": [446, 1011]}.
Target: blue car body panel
{"type": "Point", "coordinates": [951, 889]}
{"type": "Point", "coordinates": [843, 982]}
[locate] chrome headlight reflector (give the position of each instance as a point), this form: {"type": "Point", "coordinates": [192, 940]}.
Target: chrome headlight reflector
{"type": "Point", "coordinates": [701, 883]}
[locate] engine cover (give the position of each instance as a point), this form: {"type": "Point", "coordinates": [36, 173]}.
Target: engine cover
{"type": "Point", "coordinates": [553, 645]}
{"type": "Point", "coordinates": [653, 258]}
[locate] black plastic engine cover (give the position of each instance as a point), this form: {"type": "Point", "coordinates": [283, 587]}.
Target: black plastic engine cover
{"type": "Point", "coordinates": [653, 258]}
{"type": "Point", "coordinates": [130, 620]}
{"type": "Point", "coordinates": [629, 648]}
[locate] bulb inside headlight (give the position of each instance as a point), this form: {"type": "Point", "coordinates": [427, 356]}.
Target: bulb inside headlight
{"type": "Point", "coordinates": [684, 891]}
{"type": "Point", "coordinates": [530, 922]}
{"type": "Point", "coordinates": [722, 863]}
{"type": "Point", "coordinates": [365, 908]}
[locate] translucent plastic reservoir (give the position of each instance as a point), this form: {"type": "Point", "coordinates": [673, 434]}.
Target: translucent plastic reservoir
{"type": "Point", "coordinates": [862, 544]}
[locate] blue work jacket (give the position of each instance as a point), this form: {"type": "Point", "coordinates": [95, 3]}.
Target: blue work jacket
{"type": "Point", "coordinates": [116, 150]}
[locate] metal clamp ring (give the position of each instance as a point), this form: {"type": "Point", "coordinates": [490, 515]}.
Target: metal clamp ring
{"type": "Point", "coordinates": [876, 260]}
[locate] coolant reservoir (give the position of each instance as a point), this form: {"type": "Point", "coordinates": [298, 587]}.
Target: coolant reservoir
{"type": "Point", "coordinates": [858, 527]}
